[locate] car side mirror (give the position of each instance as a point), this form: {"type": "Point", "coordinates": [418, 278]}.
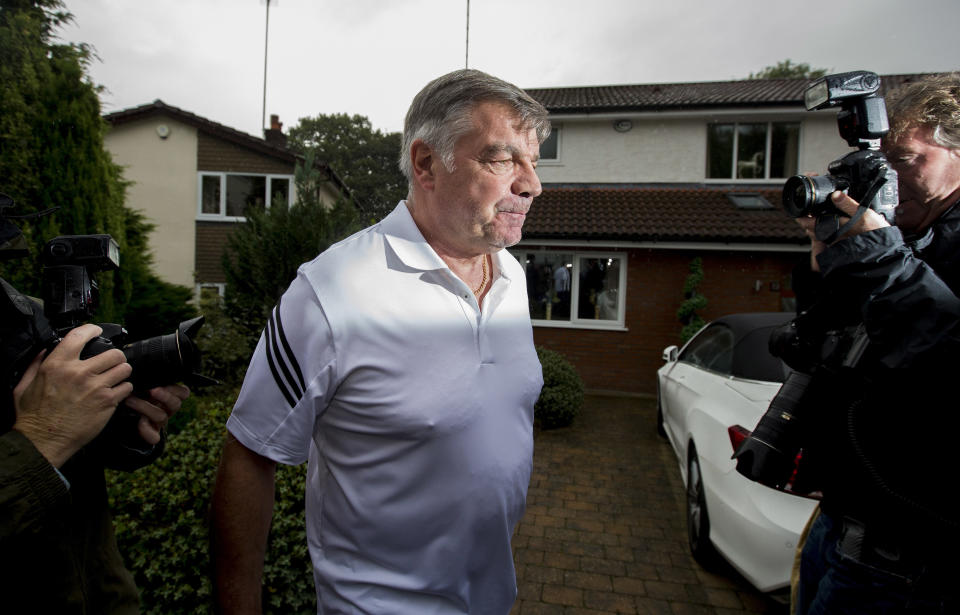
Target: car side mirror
{"type": "Point", "coordinates": [670, 354]}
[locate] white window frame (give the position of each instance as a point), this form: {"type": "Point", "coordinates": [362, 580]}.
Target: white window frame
{"type": "Point", "coordinates": [220, 286]}
{"type": "Point", "coordinates": [574, 321]}
{"type": "Point", "coordinates": [222, 217]}
{"type": "Point", "coordinates": [557, 129]}
{"type": "Point", "coordinates": [766, 154]}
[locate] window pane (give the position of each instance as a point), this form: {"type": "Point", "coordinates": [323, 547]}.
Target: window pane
{"type": "Point", "coordinates": [719, 150]}
{"type": "Point", "coordinates": [210, 194]}
{"type": "Point", "coordinates": [548, 284]}
{"type": "Point", "coordinates": [712, 349]}
{"type": "Point", "coordinates": [549, 148]}
{"type": "Point", "coordinates": [751, 145]}
{"type": "Point", "coordinates": [280, 189]}
{"type": "Point", "coordinates": [784, 149]}
{"type": "Point", "coordinates": [244, 191]}
{"type": "Point", "coordinates": [599, 284]}
{"type": "Point", "coordinates": [209, 293]}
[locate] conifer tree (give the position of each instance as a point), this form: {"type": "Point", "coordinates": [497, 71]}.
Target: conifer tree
{"type": "Point", "coordinates": [262, 255]}
{"type": "Point", "coordinates": [52, 155]}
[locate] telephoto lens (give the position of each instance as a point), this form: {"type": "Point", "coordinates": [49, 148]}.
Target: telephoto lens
{"type": "Point", "coordinates": [769, 454]}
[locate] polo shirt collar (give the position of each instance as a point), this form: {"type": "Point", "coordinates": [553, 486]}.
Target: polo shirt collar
{"type": "Point", "coordinates": [407, 241]}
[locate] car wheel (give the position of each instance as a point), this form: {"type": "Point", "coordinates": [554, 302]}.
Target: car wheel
{"type": "Point", "coordinates": [698, 521]}
{"type": "Point", "coordinates": [660, 428]}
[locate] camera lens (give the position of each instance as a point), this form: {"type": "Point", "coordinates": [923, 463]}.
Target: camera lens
{"type": "Point", "coordinates": [165, 359]}
{"type": "Point", "coordinates": [804, 195]}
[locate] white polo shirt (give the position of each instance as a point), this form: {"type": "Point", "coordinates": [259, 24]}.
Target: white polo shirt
{"type": "Point", "coordinates": [415, 410]}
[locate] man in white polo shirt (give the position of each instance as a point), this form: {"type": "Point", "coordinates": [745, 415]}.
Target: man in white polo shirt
{"type": "Point", "coordinates": [400, 364]}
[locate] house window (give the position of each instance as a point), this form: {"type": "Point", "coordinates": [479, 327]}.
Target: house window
{"type": "Point", "coordinates": [208, 291]}
{"type": "Point", "coordinates": [550, 149]}
{"type": "Point", "coordinates": [227, 196]}
{"type": "Point", "coordinates": [575, 289]}
{"type": "Point", "coordinates": [758, 150]}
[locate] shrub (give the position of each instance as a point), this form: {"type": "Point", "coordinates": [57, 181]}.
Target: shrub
{"type": "Point", "coordinates": [161, 512]}
{"type": "Point", "coordinates": [693, 301]}
{"type": "Point", "coordinates": [562, 395]}
{"type": "Point", "coordinates": [225, 346]}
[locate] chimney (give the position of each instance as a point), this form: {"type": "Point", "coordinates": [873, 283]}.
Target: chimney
{"type": "Point", "coordinates": [274, 135]}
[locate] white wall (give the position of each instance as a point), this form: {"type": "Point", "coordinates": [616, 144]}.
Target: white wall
{"type": "Point", "coordinates": [164, 176]}
{"type": "Point", "coordinates": [670, 148]}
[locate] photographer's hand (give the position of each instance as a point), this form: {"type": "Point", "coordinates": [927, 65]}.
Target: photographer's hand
{"type": "Point", "coordinates": [164, 402]}
{"type": "Point", "coordinates": [869, 221]}
{"type": "Point", "coordinates": [63, 402]}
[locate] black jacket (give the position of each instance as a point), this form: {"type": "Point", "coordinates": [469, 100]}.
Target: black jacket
{"type": "Point", "coordinates": [58, 553]}
{"type": "Point", "coordinates": [885, 435]}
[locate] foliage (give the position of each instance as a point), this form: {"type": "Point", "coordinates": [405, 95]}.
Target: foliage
{"type": "Point", "coordinates": [52, 155]}
{"type": "Point", "coordinates": [225, 346]}
{"type": "Point", "coordinates": [562, 395]}
{"type": "Point", "coordinates": [262, 255]}
{"type": "Point", "coordinates": [693, 301]}
{"type": "Point", "coordinates": [786, 69]}
{"type": "Point", "coordinates": [160, 515]}
{"type": "Point", "coordinates": [366, 159]}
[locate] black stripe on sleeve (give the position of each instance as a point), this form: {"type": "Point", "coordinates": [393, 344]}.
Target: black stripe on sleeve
{"type": "Point", "coordinates": [289, 352]}
{"type": "Point", "coordinates": [280, 359]}
{"type": "Point", "coordinates": [273, 367]}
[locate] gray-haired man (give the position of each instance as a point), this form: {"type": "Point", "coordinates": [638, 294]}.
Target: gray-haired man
{"type": "Point", "coordinates": [401, 364]}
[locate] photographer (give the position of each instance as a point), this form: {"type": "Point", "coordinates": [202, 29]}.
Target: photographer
{"type": "Point", "coordinates": [883, 437]}
{"type": "Point", "coordinates": [58, 553]}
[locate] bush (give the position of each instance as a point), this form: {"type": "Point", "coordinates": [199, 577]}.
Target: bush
{"type": "Point", "coordinates": [161, 511]}
{"type": "Point", "coordinates": [225, 346]}
{"type": "Point", "coordinates": [562, 395]}
{"type": "Point", "coordinates": [693, 301]}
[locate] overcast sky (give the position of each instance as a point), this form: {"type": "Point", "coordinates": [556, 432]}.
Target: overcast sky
{"type": "Point", "coordinates": [371, 56]}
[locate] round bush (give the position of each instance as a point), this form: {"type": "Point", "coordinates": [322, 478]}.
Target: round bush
{"type": "Point", "coordinates": [562, 395]}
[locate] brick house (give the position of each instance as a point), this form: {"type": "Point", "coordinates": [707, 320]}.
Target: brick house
{"type": "Point", "coordinates": [193, 178]}
{"type": "Point", "coordinates": [641, 179]}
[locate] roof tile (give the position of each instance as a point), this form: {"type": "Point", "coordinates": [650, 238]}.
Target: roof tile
{"type": "Point", "coordinates": [700, 213]}
{"type": "Point", "coordinates": [664, 96]}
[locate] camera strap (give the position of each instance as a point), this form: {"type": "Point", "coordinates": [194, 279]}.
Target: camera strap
{"type": "Point", "coordinates": [829, 236]}
{"type": "Point", "coordinates": [828, 228]}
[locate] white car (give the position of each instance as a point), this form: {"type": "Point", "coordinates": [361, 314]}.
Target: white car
{"type": "Point", "coordinates": [710, 394]}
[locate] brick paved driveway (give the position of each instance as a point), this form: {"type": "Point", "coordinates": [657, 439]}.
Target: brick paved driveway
{"type": "Point", "coordinates": [605, 528]}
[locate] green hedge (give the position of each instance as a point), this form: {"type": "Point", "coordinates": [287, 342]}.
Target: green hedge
{"type": "Point", "coordinates": [161, 518]}
{"type": "Point", "coordinates": [562, 395]}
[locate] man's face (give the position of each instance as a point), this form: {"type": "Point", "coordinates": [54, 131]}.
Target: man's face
{"type": "Point", "coordinates": [481, 205]}
{"type": "Point", "coordinates": [929, 177]}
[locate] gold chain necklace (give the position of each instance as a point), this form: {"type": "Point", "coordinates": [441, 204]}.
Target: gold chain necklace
{"type": "Point", "coordinates": [483, 280]}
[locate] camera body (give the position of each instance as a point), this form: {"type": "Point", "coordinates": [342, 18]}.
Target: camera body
{"type": "Point", "coordinates": [70, 297]}
{"type": "Point", "coordinates": [864, 174]}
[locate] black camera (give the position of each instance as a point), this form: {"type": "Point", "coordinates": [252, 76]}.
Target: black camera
{"type": "Point", "coordinates": [864, 174]}
{"type": "Point", "coordinates": [70, 297]}
{"type": "Point", "coordinates": [820, 353]}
